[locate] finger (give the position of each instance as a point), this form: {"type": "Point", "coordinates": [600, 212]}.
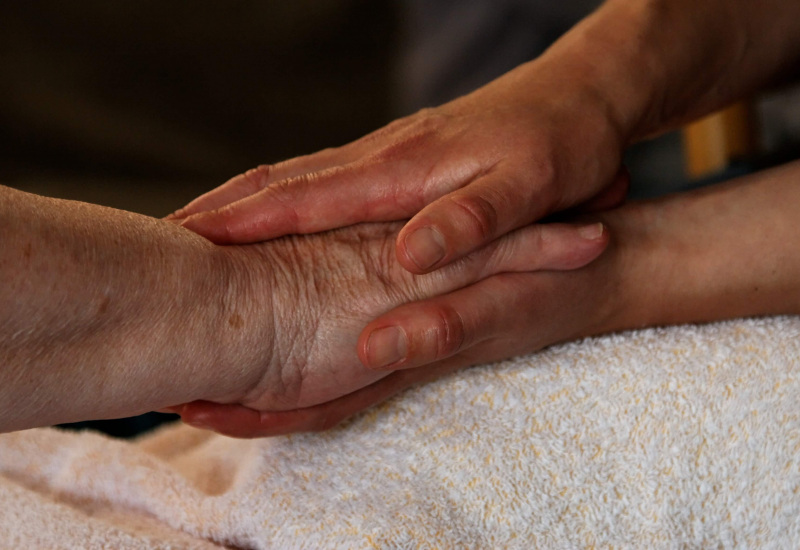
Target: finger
{"type": "Point", "coordinates": [313, 202]}
{"type": "Point", "coordinates": [256, 179]}
{"type": "Point", "coordinates": [611, 196]}
{"type": "Point", "coordinates": [243, 422]}
{"type": "Point", "coordinates": [522, 250]}
{"type": "Point", "coordinates": [439, 328]}
{"type": "Point", "coordinates": [552, 246]}
{"type": "Point", "coordinates": [466, 220]}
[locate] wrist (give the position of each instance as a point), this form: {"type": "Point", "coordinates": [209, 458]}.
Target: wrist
{"type": "Point", "coordinates": [706, 255]}
{"type": "Point", "coordinates": [244, 317]}
{"type": "Point", "coordinates": [606, 59]}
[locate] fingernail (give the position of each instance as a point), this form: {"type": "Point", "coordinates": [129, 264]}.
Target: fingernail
{"type": "Point", "coordinates": [591, 232]}
{"type": "Point", "coordinates": [425, 247]}
{"type": "Point", "coordinates": [386, 346]}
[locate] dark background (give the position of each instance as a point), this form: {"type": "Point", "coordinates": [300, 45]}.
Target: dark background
{"type": "Point", "coordinates": [144, 104]}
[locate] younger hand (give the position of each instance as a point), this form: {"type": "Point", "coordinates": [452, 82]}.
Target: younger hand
{"type": "Point", "coordinates": [466, 173]}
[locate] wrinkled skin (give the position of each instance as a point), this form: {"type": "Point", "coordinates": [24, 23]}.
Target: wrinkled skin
{"type": "Point", "coordinates": [471, 170]}
{"type": "Point", "coordinates": [694, 257]}
{"type": "Point", "coordinates": [326, 288]}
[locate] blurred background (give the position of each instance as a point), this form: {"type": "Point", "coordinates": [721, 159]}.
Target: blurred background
{"type": "Point", "coordinates": [145, 104]}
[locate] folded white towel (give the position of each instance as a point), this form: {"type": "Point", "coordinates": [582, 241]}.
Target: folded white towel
{"type": "Point", "coordinates": [679, 437]}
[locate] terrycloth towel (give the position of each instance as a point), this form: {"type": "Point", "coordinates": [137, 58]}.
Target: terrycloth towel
{"type": "Point", "coordinates": [680, 437]}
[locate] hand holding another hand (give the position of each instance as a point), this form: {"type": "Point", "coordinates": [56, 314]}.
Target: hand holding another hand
{"type": "Point", "coordinates": [669, 262]}
{"type": "Point", "coordinates": [466, 173]}
{"type": "Point", "coordinates": [483, 308]}
{"type": "Point", "coordinates": [470, 174]}
{"type": "Point", "coordinates": [322, 290]}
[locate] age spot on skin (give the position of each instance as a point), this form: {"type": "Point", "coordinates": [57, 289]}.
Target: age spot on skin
{"type": "Point", "coordinates": [103, 307]}
{"type": "Point", "coordinates": [27, 251]}
{"type": "Point", "coordinates": [236, 321]}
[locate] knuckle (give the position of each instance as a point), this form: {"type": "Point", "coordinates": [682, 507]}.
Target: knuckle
{"type": "Point", "coordinates": [542, 167]}
{"type": "Point", "coordinates": [288, 194]}
{"type": "Point", "coordinates": [521, 252]}
{"type": "Point", "coordinates": [226, 222]}
{"type": "Point", "coordinates": [257, 178]}
{"type": "Point", "coordinates": [412, 135]}
{"type": "Point", "coordinates": [450, 331]}
{"type": "Point", "coordinates": [544, 164]}
{"type": "Point", "coordinates": [539, 239]}
{"type": "Point", "coordinates": [430, 119]}
{"type": "Point", "coordinates": [547, 174]}
{"type": "Point", "coordinates": [282, 190]}
{"type": "Point", "coordinates": [548, 248]}
{"type": "Point", "coordinates": [479, 214]}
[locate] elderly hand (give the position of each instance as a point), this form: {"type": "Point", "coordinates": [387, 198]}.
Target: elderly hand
{"type": "Point", "coordinates": [670, 262]}
{"type": "Point", "coordinates": [488, 306]}
{"type": "Point", "coordinates": [312, 296]}
{"type": "Point", "coordinates": [126, 314]}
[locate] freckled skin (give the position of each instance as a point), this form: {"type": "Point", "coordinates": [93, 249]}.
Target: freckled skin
{"type": "Point", "coordinates": [236, 321]}
{"type": "Point", "coordinates": [329, 287]}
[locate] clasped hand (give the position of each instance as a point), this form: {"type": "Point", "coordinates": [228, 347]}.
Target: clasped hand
{"type": "Point", "coordinates": [472, 175]}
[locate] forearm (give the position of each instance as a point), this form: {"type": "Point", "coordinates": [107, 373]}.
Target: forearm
{"type": "Point", "coordinates": [722, 252]}
{"type": "Point", "coordinates": [656, 64]}
{"type": "Point", "coordinates": [103, 313]}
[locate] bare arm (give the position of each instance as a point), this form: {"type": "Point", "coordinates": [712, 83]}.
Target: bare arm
{"type": "Point", "coordinates": [660, 63]}
{"type": "Point", "coordinates": [717, 253]}
{"type": "Point", "coordinates": [105, 313]}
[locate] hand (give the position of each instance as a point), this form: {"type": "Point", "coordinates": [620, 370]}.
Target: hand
{"type": "Point", "coordinates": [311, 297]}
{"type": "Point", "coordinates": [466, 173]}
{"type": "Point", "coordinates": [504, 315]}
{"type": "Point", "coordinates": [670, 262]}
{"type": "Point", "coordinates": [545, 308]}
